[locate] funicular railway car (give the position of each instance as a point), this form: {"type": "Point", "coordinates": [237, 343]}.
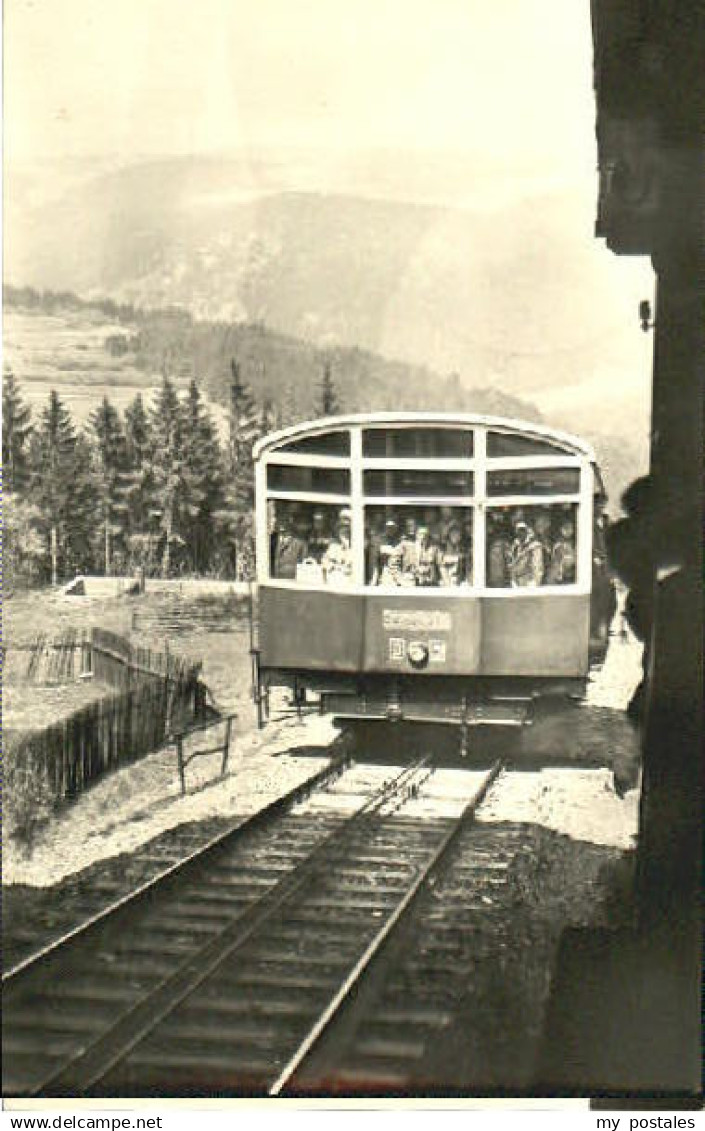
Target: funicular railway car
{"type": "Point", "coordinates": [429, 567]}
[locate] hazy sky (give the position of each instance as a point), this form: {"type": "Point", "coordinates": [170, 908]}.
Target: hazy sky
{"type": "Point", "coordinates": [505, 80]}
{"type": "Point", "coordinates": [486, 102]}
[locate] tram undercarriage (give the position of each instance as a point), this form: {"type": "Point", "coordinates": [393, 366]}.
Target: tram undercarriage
{"type": "Point", "coordinates": [449, 701]}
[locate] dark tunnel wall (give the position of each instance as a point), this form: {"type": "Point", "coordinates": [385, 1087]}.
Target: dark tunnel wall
{"type": "Point", "coordinates": [624, 1014]}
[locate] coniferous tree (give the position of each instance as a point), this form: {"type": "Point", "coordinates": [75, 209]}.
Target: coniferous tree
{"type": "Point", "coordinates": [327, 403]}
{"type": "Point", "coordinates": [109, 473]}
{"type": "Point", "coordinates": [167, 473]}
{"type": "Point", "coordinates": [236, 515]}
{"type": "Point", "coordinates": [243, 432]}
{"type": "Point", "coordinates": [288, 411]}
{"type": "Point", "coordinates": [267, 418]}
{"type": "Point", "coordinates": [24, 548]}
{"type": "Point", "coordinates": [243, 421]}
{"type": "Point", "coordinates": [203, 475]}
{"type": "Point", "coordinates": [137, 434]}
{"type": "Point", "coordinates": [139, 484]}
{"type": "Point", "coordinates": [53, 479]}
{"type": "Point", "coordinates": [16, 431]}
{"type": "Point", "coordinates": [85, 513]}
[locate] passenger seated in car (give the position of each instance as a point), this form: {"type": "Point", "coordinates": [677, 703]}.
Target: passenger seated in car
{"type": "Point", "coordinates": [409, 536]}
{"type": "Point", "coordinates": [387, 568]}
{"type": "Point", "coordinates": [337, 562]}
{"type": "Point", "coordinates": [525, 557]}
{"type": "Point", "coordinates": [319, 538]}
{"type": "Point", "coordinates": [445, 520]}
{"type": "Point", "coordinates": [420, 560]}
{"type": "Point", "coordinates": [290, 549]}
{"type": "Point", "coordinates": [499, 547]}
{"type": "Point", "coordinates": [432, 519]}
{"type": "Point", "coordinates": [302, 528]}
{"type": "Point", "coordinates": [561, 570]}
{"type": "Point", "coordinates": [453, 558]}
{"type": "Point", "coordinates": [374, 539]}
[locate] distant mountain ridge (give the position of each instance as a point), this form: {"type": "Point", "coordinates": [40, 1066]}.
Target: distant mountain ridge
{"type": "Point", "coordinates": [512, 295]}
{"type": "Point", "coordinates": [505, 292]}
{"type": "Point", "coordinates": [280, 368]}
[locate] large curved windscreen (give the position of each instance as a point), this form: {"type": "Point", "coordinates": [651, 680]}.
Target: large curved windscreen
{"type": "Point", "coordinates": [447, 508]}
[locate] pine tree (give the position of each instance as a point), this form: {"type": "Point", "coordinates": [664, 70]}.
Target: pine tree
{"type": "Point", "coordinates": [16, 431]}
{"type": "Point", "coordinates": [245, 424]}
{"type": "Point", "coordinates": [267, 418]}
{"type": "Point", "coordinates": [203, 475]}
{"type": "Point", "coordinates": [138, 443]}
{"type": "Point", "coordinates": [85, 513]}
{"type": "Point", "coordinates": [236, 516]}
{"type": "Point", "coordinates": [287, 412]}
{"type": "Point", "coordinates": [328, 403]}
{"type": "Point", "coordinates": [168, 473]}
{"type": "Point", "coordinates": [53, 478]}
{"type": "Point", "coordinates": [137, 435]}
{"type": "Point", "coordinates": [109, 468]}
{"type": "Point", "coordinates": [243, 417]}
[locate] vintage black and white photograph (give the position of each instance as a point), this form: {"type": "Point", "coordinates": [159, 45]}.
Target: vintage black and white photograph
{"type": "Point", "coordinates": [352, 453]}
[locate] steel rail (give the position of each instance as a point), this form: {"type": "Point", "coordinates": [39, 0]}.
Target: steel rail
{"type": "Point", "coordinates": [95, 1060]}
{"type": "Point", "coordinates": [353, 978]}
{"type": "Point", "coordinates": [178, 868]}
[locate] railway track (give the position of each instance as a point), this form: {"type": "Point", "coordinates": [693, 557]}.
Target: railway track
{"type": "Point", "coordinates": [155, 868]}
{"type": "Point", "coordinates": [230, 971]}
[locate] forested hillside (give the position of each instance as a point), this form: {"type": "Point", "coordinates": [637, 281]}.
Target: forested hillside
{"type": "Point", "coordinates": [104, 479]}
{"type": "Point", "coordinates": [280, 369]}
{"type": "Point", "coordinates": [89, 350]}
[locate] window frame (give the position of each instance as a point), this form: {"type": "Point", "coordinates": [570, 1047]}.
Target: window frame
{"type": "Point", "coordinates": [417, 425]}
{"type": "Point", "coordinates": [478, 502]}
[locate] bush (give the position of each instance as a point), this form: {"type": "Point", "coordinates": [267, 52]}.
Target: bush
{"type": "Point", "coordinates": [29, 796]}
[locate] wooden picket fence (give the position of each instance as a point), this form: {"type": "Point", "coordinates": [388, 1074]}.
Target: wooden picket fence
{"type": "Point", "coordinates": [156, 694]}
{"type": "Point", "coordinates": [109, 657]}
{"type": "Point", "coordinates": [111, 732]}
{"type": "Point", "coordinates": [119, 663]}
{"type": "Point", "coordinates": [56, 659]}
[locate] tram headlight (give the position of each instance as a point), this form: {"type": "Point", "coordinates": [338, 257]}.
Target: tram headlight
{"type": "Point", "coordinates": [418, 654]}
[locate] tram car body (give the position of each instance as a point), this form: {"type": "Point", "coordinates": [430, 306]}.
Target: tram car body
{"type": "Point", "coordinates": [429, 567]}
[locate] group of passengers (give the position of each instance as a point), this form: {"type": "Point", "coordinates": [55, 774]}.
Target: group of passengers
{"type": "Point", "coordinates": [520, 554]}
{"type": "Point", "coordinates": [525, 547]}
{"type": "Point", "coordinates": [303, 546]}
{"type": "Point", "coordinates": [426, 549]}
{"type": "Point", "coordinates": [431, 550]}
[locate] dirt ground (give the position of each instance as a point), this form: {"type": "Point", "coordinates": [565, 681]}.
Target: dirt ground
{"type": "Point", "coordinates": [142, 801]}
{"type": "Point", "coordinates": [576, 869]}
{"type": "Point", "coordinates": [27, 707]}
{"type": "Point", "coordinates": [131, 807]}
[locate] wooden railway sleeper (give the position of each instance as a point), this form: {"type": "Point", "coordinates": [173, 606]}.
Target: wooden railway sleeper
{"type": "Point", "coordinates": [352, 982]}
{"type": "Point", "coordinates": [96, 1059]}
{"type": "Point", "coordinates": [14, 977]}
